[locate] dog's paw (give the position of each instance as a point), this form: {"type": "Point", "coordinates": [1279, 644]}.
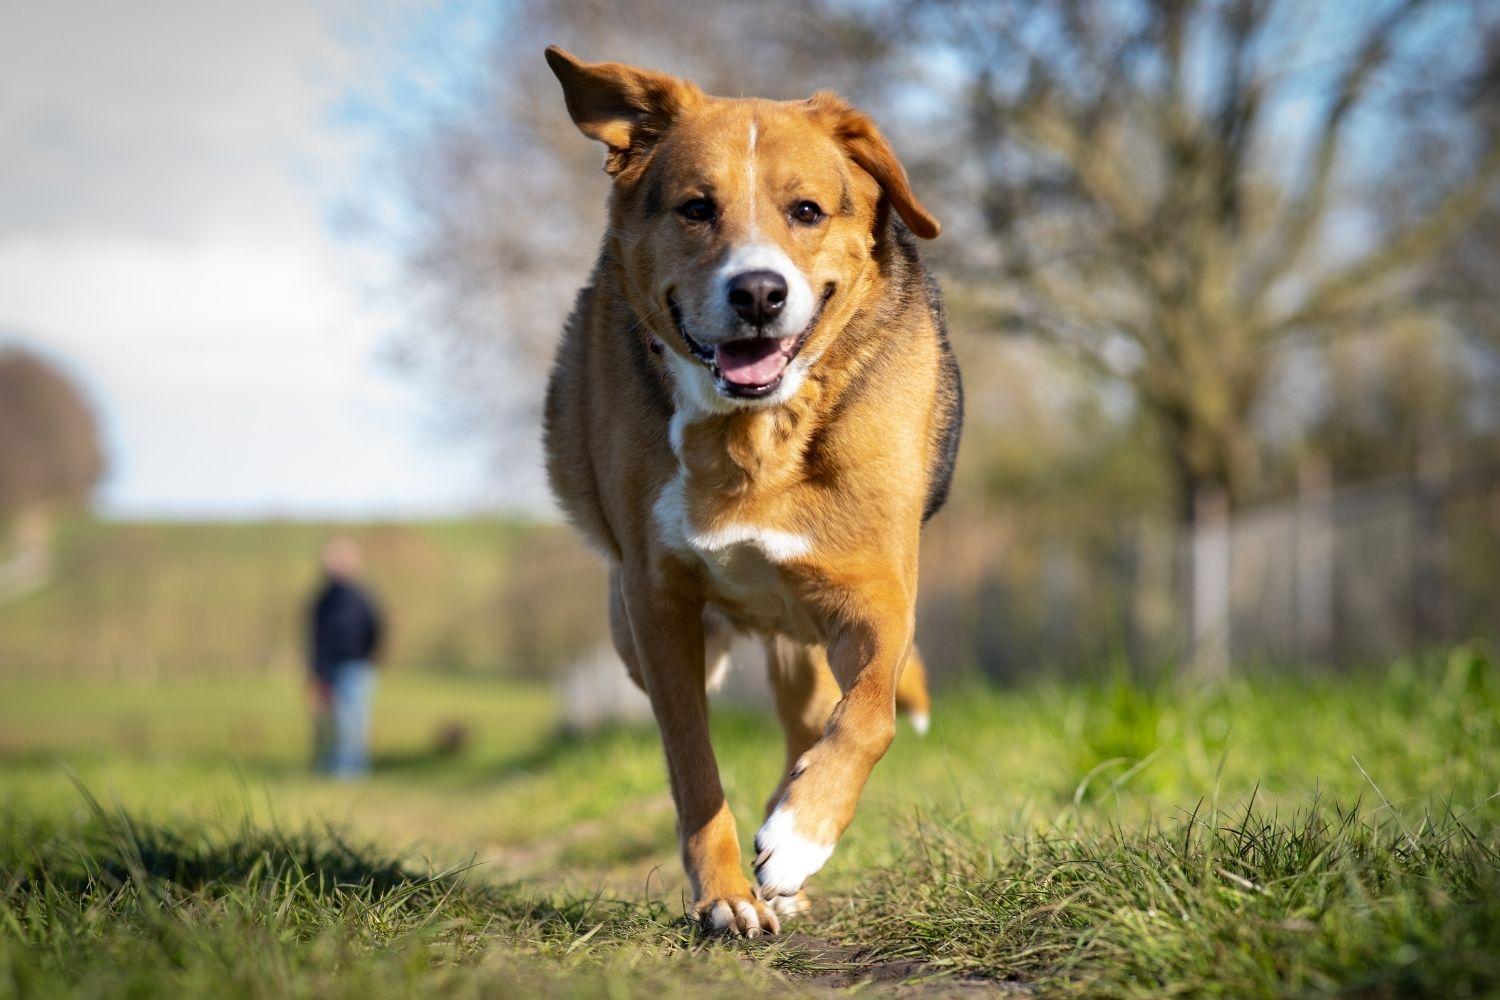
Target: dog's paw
{"type": "Point", "coordinates": [784, 858]}
{"type": "Point", "coordinates": [737, 915]}
{"type": "Point", "coordinates": [787, 907]}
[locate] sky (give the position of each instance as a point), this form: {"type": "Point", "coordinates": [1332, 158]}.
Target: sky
{"type": "Point", "coordinates": [170, 179]}
{"type": "Point", "coordinates": [170, 173]}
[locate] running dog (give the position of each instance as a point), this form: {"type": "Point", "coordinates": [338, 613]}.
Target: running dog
{"type": "Point", "coordinates": [753, 410]}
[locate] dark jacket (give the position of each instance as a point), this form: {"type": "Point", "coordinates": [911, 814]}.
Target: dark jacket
{"type": "Point", "coordinates": [345, 626]}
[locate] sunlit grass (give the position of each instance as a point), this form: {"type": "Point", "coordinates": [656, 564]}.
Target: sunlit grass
{"type": "Point", "coordinates": [1268, 836]}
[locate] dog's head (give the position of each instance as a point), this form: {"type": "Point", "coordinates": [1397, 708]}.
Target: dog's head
{"type": "Point", "coordinates": [745, 228]}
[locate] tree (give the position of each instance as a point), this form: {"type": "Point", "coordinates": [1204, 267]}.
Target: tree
{"type": "Point", "coordinates": [50, 455]}
{"type": "Point", "coordinates": [1179, 192]}
{"type": "Point", "coordinates": [1468, 272]}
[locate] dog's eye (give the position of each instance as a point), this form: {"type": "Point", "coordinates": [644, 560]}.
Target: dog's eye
{"type": "Point", "coordinates": [807, 212]}
{"type": "Point", "coordinates": [697, 210]}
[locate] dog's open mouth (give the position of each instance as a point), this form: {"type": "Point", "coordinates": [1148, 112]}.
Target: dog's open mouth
{"type": "Point", "coordinates": [751, 367]}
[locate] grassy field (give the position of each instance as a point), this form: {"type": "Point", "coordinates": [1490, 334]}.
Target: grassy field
{"type": "Point", "coordinates": [1265, 838]}
{"type": "Point", "coordinates": [151, 600]}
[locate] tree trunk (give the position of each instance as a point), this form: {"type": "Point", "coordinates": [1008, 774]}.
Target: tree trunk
{"type": "Point", "coordinates": [1208, 582]}
{"type": "Point", "coordinates": [1432, 606]}
{"type": "Point", "coordinates": [1315, 563]}
{"type": "Point", "coordinates": [1209, 469]}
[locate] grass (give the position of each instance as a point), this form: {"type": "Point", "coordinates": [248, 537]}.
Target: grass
{"type": "Point", "coordinates": [192, 599]}
{"type": "Point", "coordinates": [1288, 836]}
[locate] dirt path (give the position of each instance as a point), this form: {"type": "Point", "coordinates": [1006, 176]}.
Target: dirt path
{"type": "Point", "coordinates": [802, 955]}
{"type": "Point", "coordinates": [821, 962]}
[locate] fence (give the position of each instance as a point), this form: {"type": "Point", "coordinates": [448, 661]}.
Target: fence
{"type": "Point", "coordinates": [1333, 577]}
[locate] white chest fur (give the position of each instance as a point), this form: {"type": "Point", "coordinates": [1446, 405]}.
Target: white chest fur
{"type": "Point", "coordinates": [742, 562]}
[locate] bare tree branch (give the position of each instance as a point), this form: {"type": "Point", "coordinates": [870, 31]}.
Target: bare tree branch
{"type": "Point", "coordinates": [1418, 242]}
{"type": "Point", "coordinates": [1304, 210]}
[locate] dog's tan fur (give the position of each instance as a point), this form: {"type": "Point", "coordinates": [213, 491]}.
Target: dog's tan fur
{"type": "Point", "coordinates": [795, 518]}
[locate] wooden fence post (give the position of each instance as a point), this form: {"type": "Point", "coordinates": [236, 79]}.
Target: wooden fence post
{"type": "Point", "coordinates": [1210, 607]}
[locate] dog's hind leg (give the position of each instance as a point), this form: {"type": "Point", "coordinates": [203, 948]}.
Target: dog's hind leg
{"type": "Point", "coordinates": [619, 629]}
{"type": "Point", "coordinates": [912, 698]}
{"type": "Point", "coordinates": [718, 640]}
{"type": "Point", "coordinates": [805, 694]}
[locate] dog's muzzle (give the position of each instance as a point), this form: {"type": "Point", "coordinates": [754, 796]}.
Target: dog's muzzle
{"type": "Point", "coordinates": [750, 367]}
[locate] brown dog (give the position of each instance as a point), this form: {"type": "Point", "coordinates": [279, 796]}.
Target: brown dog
{"type": "Point", "coordinates": [753, 410]}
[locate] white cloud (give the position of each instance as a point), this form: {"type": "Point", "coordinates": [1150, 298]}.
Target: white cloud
{"type": "Point", "coordinates": [162, 231]}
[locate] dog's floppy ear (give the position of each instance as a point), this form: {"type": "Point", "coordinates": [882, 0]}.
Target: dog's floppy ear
{"type": "Point", "coordinates": [869, 149]}
{"type": "Point", "coordinates": [625, 108]}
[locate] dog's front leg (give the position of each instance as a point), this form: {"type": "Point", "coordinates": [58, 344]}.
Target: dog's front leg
{"type": "Point", "coordinates": [666, 622]}
{"type": "Point", "coordinates": [870, 639]}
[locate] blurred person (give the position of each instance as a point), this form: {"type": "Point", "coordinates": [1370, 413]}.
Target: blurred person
{"type": "Point", "coordinates": [344, 642]}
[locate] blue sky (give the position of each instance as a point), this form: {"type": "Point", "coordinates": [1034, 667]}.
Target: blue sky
{"type": "Point", "coordinates": [170, 172]}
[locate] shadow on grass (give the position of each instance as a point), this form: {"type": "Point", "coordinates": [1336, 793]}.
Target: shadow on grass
{"type": "Point", "coordinates": [202, 910]}
{"type": "Point", "coordinates": [115, 850]}
{"type": "Point", "coordinates": [461, 767]}
{"type": "Point", "coordinates": [117, 867]}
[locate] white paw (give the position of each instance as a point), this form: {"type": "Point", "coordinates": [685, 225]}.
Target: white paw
{"type": "Point", "coordinates": [921, 722]}
{"type": "Point", "coordinates": [785, 859]}
{"type": "Point", "coordinates": [748, 917]}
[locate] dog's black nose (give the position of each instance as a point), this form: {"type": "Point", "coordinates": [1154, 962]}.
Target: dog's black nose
{"type": "Point", "coordinates": [757, 296]}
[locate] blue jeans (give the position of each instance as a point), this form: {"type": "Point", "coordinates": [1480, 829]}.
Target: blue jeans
{"type": "Point", "coordinates": [347, 753]}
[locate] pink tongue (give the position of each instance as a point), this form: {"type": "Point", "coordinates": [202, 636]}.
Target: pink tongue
{"type": "Point", "coordinates": [751, 362]}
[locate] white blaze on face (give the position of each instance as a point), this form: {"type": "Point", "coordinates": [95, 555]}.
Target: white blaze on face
{"type": "Point", "coordinates": [750, 181]}
{"type": "Point", "coordinates": [754, 254]}
{"type": "Point", "coordinates": [712, 320]}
